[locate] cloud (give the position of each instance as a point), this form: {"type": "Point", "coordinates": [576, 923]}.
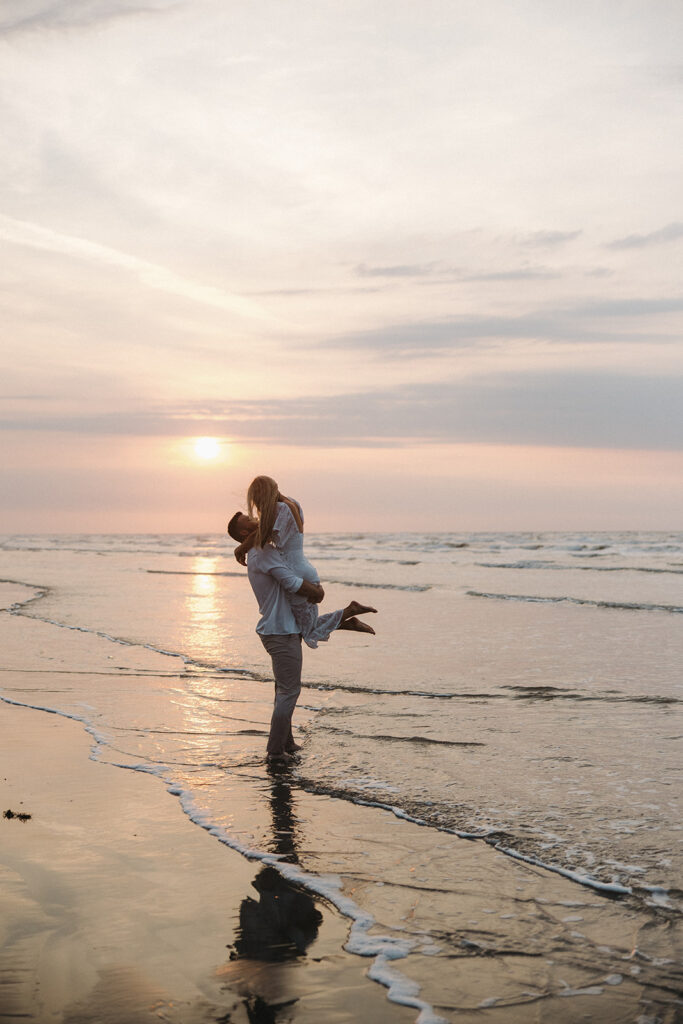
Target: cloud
{"type": "Point", "coordinates": [545, 239]}
{"type": "Point", "coordinates": [27, 15]}
{"type": "Point", "coordinates": [669, 233]}
{"type": "Point", "coordinates": [444, 272]}
{"type": "Point", "coordinates": [629, 307]}
{"type": "Point", "coordinates": [24, 398]}
{"type": "Point", "coordinates": [34, 236]}
{"type": "Point", "coordinates": [590, 410]}
{"type": "Point", "coordinates": [599, 272]}
{"type": "Point", "coordinates": [572, 323]}
{"type": "Point", "coordinates": [519, 274]}
{"type": "Point", "coordinates": [287, 293]}
{"type": "Point", "coordinates": [402, 270]}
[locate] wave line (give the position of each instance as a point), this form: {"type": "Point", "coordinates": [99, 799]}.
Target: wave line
{"type": "Point", "coordinates": [621, 605]}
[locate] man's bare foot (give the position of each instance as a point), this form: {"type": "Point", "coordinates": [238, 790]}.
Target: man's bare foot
{"type": "Point", "coordinates": [357, 626]}
{"type": "Point", "coordinates": [356, 608]}
{"type": "Point", "coordinates": [283, 760]}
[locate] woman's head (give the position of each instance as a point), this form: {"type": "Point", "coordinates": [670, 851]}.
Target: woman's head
{"type": "Point", "coordinates": [262, 502]}
{"type": "Point", "coordinates": [262, 490]}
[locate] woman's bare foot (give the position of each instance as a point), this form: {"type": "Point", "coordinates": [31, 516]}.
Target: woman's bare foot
{"type": "Point", "coordinates": [357, 626]}
{"type": "Point", "coordinates": [356, 608]}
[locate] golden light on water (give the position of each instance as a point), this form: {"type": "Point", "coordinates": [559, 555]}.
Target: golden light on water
{"type": "Point", "coordinates": [207, 447]}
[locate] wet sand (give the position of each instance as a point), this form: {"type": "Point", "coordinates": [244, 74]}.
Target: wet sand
{"type": "Point", "coordinates": [115, 908]}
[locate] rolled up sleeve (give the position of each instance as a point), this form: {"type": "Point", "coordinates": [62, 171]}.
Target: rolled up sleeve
{"type": "Point", "coordinates": [273, 563]}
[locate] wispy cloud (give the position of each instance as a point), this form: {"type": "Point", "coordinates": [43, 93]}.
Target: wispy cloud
{"type": "Point", "coordinates": [515, 274]}
{"type": "Point", "coordinates": [669, 233]}
{"type": "Point", "coordinates": [629, 307]}
{"type": "Point", "coordinates": [28, 15]}
{"type": "Point", "coordinates": [152, 275]}
{"type": "Point", "coordinates": [546, 239]}
{"type": "Point", "coordinates": [403, 270]}
{"type": "Point", "coordinates": [440, 271]}
{"type": "Point", "coordinates": [567, 324]}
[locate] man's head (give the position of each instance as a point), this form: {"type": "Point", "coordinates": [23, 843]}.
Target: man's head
{"type": "Point", "coordinates": [240, 526]}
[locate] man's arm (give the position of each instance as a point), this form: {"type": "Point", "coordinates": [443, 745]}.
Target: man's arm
{"type": "Point", "coordinates": [272, 562]}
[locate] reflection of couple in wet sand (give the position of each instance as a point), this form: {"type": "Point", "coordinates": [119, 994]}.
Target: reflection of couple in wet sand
{"type": "Point", "coordinates": [277, 924]}
{"type": "Point", "coordinates": [287, 588]}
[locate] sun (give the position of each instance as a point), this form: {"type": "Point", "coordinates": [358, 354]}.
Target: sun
{"type": "Point", "coordinates": [207, 447]}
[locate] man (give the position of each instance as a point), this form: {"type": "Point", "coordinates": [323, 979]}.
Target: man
{"type": "Point", "coordinates": [271, 579]}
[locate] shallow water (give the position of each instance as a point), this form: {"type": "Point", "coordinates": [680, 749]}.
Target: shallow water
{"type": "Point", "coordinates": [521, 688]}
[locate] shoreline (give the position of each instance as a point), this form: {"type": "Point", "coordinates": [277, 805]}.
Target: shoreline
{"type": "Point", "coordinates": [101, 922]}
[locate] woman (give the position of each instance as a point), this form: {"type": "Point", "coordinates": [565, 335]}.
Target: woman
{"type": "Point", "coordinates": [280, 521]}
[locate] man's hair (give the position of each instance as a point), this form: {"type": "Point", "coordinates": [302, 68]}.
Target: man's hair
{"type": "Point", "coordinates": [233, 529]}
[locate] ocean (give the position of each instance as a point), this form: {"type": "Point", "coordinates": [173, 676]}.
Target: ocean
{"type": "Point", "coordinates": [520, 701]}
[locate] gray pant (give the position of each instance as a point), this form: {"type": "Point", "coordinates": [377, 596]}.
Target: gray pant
{"type": "Point", "coordinates": [285, 653]}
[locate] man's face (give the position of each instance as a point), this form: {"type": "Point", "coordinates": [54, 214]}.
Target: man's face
{"type": "Point", "coordinates": [245, 524]}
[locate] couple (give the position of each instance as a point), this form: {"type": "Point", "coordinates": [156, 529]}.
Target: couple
{"type": "Point", "coordinates": [287, 588]}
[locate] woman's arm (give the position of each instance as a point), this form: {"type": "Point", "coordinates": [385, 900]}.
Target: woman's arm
{"type": "Point", "coordinates": [294, 509]}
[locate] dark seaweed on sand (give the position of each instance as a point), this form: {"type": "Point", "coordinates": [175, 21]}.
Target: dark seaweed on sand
{"type": "Point", "coordinates": [19, 815]}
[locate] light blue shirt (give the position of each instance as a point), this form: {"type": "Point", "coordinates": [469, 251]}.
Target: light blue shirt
{"type": "Point", "coordinates": [271, 579]}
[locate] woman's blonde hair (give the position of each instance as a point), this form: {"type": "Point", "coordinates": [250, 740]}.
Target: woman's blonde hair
{"type": "Point", "coordinates": [262, 504]}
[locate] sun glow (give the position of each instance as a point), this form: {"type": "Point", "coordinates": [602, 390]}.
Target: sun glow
{"type": "Point", "coordinates": [207, 447]}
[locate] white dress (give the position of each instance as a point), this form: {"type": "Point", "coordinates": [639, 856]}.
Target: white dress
{"type": "Point", "coordinates": [290, 543]}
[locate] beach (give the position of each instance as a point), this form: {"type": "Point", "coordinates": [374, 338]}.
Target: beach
{"type": "Point", "coordinates": [484, 823]}
{"type": "Point", "coordinates": [114, 909]}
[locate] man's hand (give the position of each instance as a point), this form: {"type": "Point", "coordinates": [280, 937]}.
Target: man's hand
{"type": "Point", "coordinates": [243, 549]}
{"type": "Point", "coordinates": [313, 592]}
{"type": "Point", "coordinates": [240, 553]}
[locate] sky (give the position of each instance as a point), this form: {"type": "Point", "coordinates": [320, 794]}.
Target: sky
{"type": "Point", "coordinates": [420, 262]}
